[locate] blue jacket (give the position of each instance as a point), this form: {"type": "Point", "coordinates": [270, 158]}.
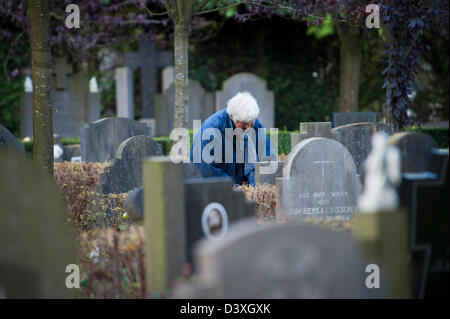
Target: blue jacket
{"type": "Point", "coordinates": [239, 172]}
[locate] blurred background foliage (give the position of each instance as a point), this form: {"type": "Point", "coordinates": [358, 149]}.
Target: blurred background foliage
{"type": "Point", "coordinates": [299, 63]}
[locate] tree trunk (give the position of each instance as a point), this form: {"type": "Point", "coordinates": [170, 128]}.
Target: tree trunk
{"type": "Point", "coordinates": [41, 73]}
{"type": "Point", "coordinates": [181, 73]}
{"type": "Point", "coordinates": [350, 39]}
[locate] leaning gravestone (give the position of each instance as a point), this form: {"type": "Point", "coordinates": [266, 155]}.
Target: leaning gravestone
{"type": "Point", "coordinates": [8, 140]}
{"type": "Point", "coordinates": [344, 118]}
{"type": "Point", "coordinates": [257, 87]}
{"type": "Point", "coordinates": [177, 214]}
{"type": "Point", "coordinates": [319, 180]}
{"type": "Point", "coordinates": [278, 261]}
{"type": "Point", "coordinates": [124, 173]}
{"type": "Point", "coordinates": [36, 245]}
{"type": "Point", "coordinates": [201, 106]}
{"type": "Point", "coordinates": [425, 195]}
{"type": "Point", "coordinates": [100, 139]}
{"type": "Point", "coordinates": [415, 148]}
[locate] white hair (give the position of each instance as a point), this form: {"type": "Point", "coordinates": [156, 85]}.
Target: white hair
{"type": "Point", "coordinates": [243, 107]}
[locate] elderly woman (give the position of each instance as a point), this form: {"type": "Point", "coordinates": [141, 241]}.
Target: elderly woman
{"type": "Point", "coordinates": [228, 142]}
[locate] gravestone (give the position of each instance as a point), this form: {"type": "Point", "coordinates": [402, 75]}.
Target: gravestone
{"type": "Point", "coordinates": [10, 141]}
{"type": "Point", "coordinates": [36, 244]}
{"type": "Point", "coordinates": [167, 77]}
{"type": "Point", "coordinates": [257, 87]}
{"type": "Point", "coordinates": [124, 92]}
{"type": "Point", "coordinates": [357, 139]}
{"type": "Point", "coordinates": [415, 148]}
{"type": "Point", "coordinates": [148, 59]}
{"type": "Point", "coordinates": [134, 203]}
{"type": "Point", "coordinates": [319, 180]}
{"type": "Point", "coordinates": [201, 106]}
{"type": "Point", "coordinates": [277, 261]}
{"type": "Point", "coordinates": [179, 212]}
{"type": "Point", "coordinates": [344, 118]}
{"type": "Point", "coordinates": [425, 195]}
{"type": "Point", "coordinates": [100, 139]}
{"type": "Point", "coordinates": [124, 173]}
{"type": "Point", "coordinates": [93, 104]}
{"type": "Point", "coordinates": [261, 178]}
{"type": "Point", "coordinates": [312, 129]}
{"type": "Point", "coordinates": [26, 109]}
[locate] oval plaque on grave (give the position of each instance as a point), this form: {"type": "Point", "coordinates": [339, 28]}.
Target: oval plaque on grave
{"type": "Point", "coordinates": [214, 221]}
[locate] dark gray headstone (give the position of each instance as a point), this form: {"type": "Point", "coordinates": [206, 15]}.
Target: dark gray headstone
{"type": "Point", "coordinates": [344, 118]}
{"type": "Point", "coordinates": [100, 139]}
{"type": "Point", "coordinates": [148, 59]}
{"type": "Point", "coordinates": [357, 139]}
{"type": "Point", "coordinates": [425, 195]}
{"type": "Point", "coordinates": [319, 180]}
{"type": "Point", "coordinates": [124, 173]}
{"type": "Point", "coordinates": [179, 212]}
{"type": "Point", "coordinates": [261, 178]}
{"type": "Point", "coordinates": [278, 261]}
{"type": "Point", "coordinates": [10, 141]}
{"type": "Point", "coordinates": [36, 244]}
{"type": "Point", "coordinates": [415, 148]}
{"type": "Point", "coordinates": [134, 204]}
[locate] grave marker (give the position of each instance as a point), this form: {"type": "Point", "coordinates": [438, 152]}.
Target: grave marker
{"type": "Point", "coordinates": [177, 215]}
{"type": "Point", "coordinates": [319, 179]}
{"type": "Point", "coordinates": [100, 139]}
{"type": "Point", "coordinates": [124, 173]}
{"type": "Point", "coordinates": [148, 59]}
{"type": "Point", "coordinates": [344, 118]}
{"type": "Point", "coordinates": [35, 242]}
{"type": "Point", "coordinates": [277, 261]}
{"type": "Point", "coordinates": [257, 87]}
{"type": "Point", "coordinates": [10, 141]}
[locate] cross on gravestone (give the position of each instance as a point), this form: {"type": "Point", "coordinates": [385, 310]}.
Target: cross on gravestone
{"type": "Point", "coordinates": [425, 195]}
{"type": "Point", "coordinates": [36, 244]}
{"type": "Point", "coordinates": [148, 60]}
{"type": "Point", "coordinates": [179, 212]}
{"type": "Point", "coordinates": [61, 70]}
{"type": "Point", "coordinates": [277, 261]}
{"type": "Point", "coordinates": [319, 180]}
{"type": "Point", "coordinates": [323, 162]}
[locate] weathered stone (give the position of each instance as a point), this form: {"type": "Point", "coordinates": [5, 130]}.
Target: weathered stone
{"type": "Point", "coordinates": [124, 92]}
{"type": "Point", "coordinates": [312, 129]}
{"type": "Point", "coordinates": [257, 87]}
{"type": "Point", "coordinates": [278, 261]}
{"type": "Point", "coordinates": [415, 148]}
{"type": "Point", "coordinates": [35, 243]}
{"type": "Point", "coordinates": [268, 178]}
{"type": "Point", "coordinates": [179, 212]}
{"type": "Point", "coordinates": [319, 179]}
{"type": "Point", "coordinates": [100, 139]}
{"type": "Point", "coordinates": [124, 173]}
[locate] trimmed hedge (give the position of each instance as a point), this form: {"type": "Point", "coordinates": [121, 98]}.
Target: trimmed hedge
{"type": "Point", "coordinates": [440, 136]}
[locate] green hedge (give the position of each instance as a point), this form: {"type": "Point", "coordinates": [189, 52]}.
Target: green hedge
{"type": "Point", "coordinates": [440, 135]}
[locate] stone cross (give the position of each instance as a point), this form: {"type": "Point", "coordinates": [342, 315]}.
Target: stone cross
{"type": "Point", "coordinates": [148, 60]}
{"type": "Point", "coordinates": [62, 69]}
{"type": "Point", "coordinates": [312, 129]}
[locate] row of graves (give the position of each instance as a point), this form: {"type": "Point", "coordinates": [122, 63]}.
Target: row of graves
{"type": "Point", "coordinates": [76, 97]}
{"type": "Point", "coordinates": [392, 187]}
